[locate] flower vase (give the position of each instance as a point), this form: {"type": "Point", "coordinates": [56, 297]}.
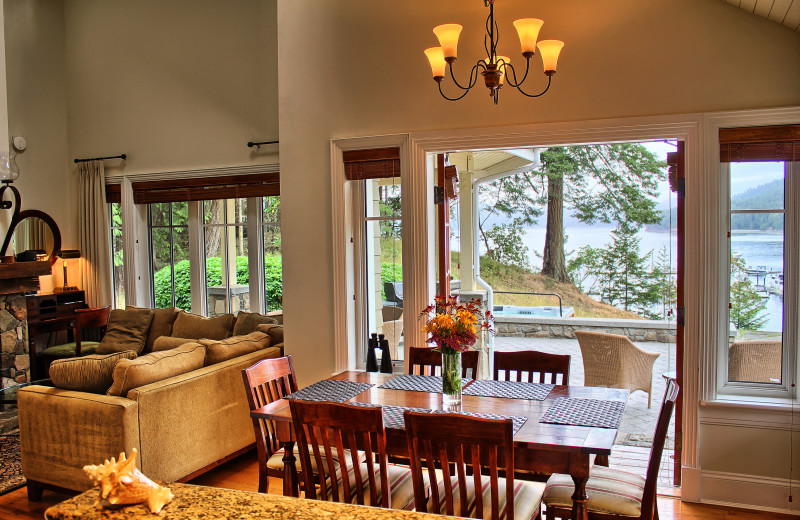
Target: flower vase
{"type": "Point", "coordinates": [451, 378]}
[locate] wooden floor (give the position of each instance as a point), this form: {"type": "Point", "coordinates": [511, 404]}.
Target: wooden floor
{"type": "Point", "coordinates": [242, 474]}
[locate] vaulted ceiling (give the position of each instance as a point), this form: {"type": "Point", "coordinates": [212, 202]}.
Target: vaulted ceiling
{"type": "Point", "coordinates": [786, 12]}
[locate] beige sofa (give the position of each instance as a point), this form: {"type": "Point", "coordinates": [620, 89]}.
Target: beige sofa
{"type": "Point", "coordinates": [181, 425]}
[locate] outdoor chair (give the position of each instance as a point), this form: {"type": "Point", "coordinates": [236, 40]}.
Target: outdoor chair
{"type": "Point", "coordinates": [429, 362]}
{"type": "Point", "coordinates": [615, 494]}
{"type": "Point", "coordinates": [85, 319]}
{"type": "Point", "coordinates": [522, 365]}
{"type": "Point", "coordinates": [391, 293]}
{"type": "Point", "coordinates": [324, 429]}
{"type": "Point", "coordinates": [445, 447]}
{"type": "Point", "coordinates": [614, 361]}
{"type": "Point", "coordinates": [755, 361]}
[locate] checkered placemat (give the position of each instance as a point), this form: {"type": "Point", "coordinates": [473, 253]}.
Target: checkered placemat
{"type": "Point", "coordinates": [417, 383]}
{"type": "Point", "coordinates": [393, 415]}
{"type": "Point", "coordinates": [509, 389]}
{"type": "Point", "coordinates": [584, 412]}
{"type": "Point", "coordinates": [330, 390]}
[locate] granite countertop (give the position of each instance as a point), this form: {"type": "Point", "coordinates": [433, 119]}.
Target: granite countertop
{"type": "Point", "coordinates": [206, 503]}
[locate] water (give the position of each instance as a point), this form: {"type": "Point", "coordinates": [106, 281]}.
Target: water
{"type": "Point", "coordinates": [757, 249]}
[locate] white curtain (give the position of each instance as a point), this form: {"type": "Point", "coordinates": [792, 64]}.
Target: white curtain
{"type": "Point", "coordinates": [93, 234]}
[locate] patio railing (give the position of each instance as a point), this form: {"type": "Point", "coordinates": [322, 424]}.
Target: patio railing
{"type": "Point", "coordinates": [560, 306]}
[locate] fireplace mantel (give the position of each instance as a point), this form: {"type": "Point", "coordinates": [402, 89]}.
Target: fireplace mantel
{"type": "Point", "coordinates": [21, 277]}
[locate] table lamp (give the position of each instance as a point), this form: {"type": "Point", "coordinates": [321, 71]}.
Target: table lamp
{"type": "Point", "coordinates": [64, 254]}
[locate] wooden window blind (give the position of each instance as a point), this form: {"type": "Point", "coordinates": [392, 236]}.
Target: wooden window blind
{"type": "Point", "coordinates": [375, 163]}
{"type": "Point", "coordinates": [113, 193]}
{"type": "Point", "coordinates": [210, 188]}
{"type": "Point", "coordinates": [760, 143]}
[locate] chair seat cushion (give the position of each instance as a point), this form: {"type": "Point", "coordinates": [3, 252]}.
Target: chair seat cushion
{"type": "Point", "coordinates": [610, 491]}
{"type": "Point", "coordinates": [527, 497]}
{"type": "Point", "coordinates": [400, 483]}
{"type": "Point", "coordinates": [275, 462]}
{"type": "Point", "coordinates": [67, 350]}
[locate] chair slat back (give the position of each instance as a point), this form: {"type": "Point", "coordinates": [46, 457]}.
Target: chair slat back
{"type": "Point", "coordinates": [428, 362]}
{"type": "Point", "coordinates": [453, 442]}
{"type": "Point", "coordinates": [532, 366]}
{"type": "Point", "coordinates": [321, 428]}
{"type": "Point", "coordinates": [659, 438]}
{"type": "Point", "coordinates": [95, 318]}
{"type": "Point", "coordinates": [265, 382]}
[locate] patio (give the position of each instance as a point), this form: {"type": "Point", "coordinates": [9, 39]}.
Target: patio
{"type": "Point", "coordinates": [638, 422]}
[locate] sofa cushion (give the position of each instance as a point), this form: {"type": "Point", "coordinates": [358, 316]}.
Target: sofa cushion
{"type": "Point", "coordinates": [275, 332]}
{"type": "Point", "coordinates": [133, 373]}
{"type": "Point", "coordinates": [217, 351]}
{"type": "Point", "coordinates": [246, 322]}
{"type": "Point", "coordinates": [127, 330]}
{"type": "Point", "coordinates": [160, 326]}
{"type": "Point", "coordinates": [92, 373]}
{"type": "Point", "coordinates": [194, 326]}
{"type": "Point", "coordinates": [169, 343]}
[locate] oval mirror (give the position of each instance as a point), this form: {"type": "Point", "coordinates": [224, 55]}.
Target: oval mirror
{"type": "Point", "coordinates": [34, 230]}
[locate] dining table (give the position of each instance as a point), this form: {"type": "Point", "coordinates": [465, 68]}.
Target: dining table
{"type": "Point", "coordinates": [538, 447]}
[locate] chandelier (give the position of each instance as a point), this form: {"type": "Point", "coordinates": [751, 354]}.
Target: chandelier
{"type": "Point", "coordinates": [496, 70]}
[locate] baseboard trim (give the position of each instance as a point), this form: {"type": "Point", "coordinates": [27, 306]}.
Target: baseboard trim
{"type": "Point", "coordinates": [747, 492]}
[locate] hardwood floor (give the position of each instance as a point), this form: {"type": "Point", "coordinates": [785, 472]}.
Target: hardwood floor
{"type": "Point", "coordinates": [242, 474]}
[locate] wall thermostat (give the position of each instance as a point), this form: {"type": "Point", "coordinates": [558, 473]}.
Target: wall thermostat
{"type": "Point", "coordinates": [19, 143]}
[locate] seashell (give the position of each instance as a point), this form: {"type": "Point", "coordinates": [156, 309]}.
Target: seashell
{"type": "Point", "coordinates": [121, 483]}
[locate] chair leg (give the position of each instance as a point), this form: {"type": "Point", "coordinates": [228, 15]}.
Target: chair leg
{"type": "Point", "coordinates": [649, 399]}
{"type": "Point", "coordinates": [263, 480]}
{"type": "Point", "coordinates": [34, 491]}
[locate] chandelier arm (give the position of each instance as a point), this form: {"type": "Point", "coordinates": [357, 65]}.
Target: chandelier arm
{"type": "Point", "coordinates": [473, 77]}
{"type": "Point", "coordinates": [515, 83]}
{"type": "Point", "coordinates": [549, 80]}
{"type": "Point", "coordinates": [449, 98]}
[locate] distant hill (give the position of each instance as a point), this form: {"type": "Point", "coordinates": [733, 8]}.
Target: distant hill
{"type": "Point", "coordinates": [765, 196]}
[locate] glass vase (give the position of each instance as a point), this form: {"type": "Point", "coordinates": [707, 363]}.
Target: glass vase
{"type": "Point", "coordinates": [451, 378]}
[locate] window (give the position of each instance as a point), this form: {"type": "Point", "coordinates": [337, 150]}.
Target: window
{"type": "Point", "coordinates": [760, 180]}
{"type": "Point", "coordinates": [169, 252]}
{"type": "Point", "coordinates": [271, 231]}
{"type": "Point", "coordinates": [227, 276]}
{"type": "Point", "coordinates": [117, 256]}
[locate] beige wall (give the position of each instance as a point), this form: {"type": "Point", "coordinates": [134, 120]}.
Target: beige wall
{"type": "Point", "coordinates": [623, 58]}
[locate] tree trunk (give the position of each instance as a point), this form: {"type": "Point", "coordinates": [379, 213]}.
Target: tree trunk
{"type": "Point", "coordinates": [554, 264]}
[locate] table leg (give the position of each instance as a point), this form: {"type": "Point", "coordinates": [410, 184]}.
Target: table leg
{"type": "Point", "coordinates": [601, 460]}
{"type": "Point", "coordinates": [291, 484]}
{"type": "Point", "coordinates": [579, 499]}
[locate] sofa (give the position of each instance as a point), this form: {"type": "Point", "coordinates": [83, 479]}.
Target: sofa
{"type": "Point", "coordinates": [183, 408]}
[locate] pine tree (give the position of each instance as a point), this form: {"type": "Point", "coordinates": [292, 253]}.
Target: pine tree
{"type": "Point", "coordinates": [746, 306]}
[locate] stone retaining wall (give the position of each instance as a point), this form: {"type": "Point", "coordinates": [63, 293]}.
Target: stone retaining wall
{"type": "Point", "coordinates": [538, 327]}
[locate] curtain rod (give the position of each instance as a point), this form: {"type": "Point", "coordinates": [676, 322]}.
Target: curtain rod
{"type": "Point", "coordinates": [251, 144]}
{"type": "Point", "coordinates": [121, 156]}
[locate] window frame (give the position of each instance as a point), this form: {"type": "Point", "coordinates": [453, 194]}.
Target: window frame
{"type": "Point", "coordinates": [791, 243]}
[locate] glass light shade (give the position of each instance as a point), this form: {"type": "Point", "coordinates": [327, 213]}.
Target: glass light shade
{"type": "Point", "coordinates": [528, 31]}
{"type": "Point", "coordinates": [550, 49]}
{"type": "Point", "coordinates": [448, 38]}
{"type": "Point", "coordinates": [500, 67]}
{"type": "Point", "coordinates": [9, 171]}
{"type": "Point", "coordinates": [436, 58]}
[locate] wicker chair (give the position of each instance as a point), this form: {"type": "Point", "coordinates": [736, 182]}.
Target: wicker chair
{"type": "Point", "coordinates": [614, 361]}
{"type": "Point", "coordinates": [755, 361]}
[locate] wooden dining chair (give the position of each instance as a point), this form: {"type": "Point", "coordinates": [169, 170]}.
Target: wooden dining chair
{"type": "Point", "coordinates": [426, 361]}
{"type": "Point", "coordinates": [456, 443]}
{"type": "Point", "coordinates": [85, 319]}
{"type": "Point", "coordinates": [615, 494]}
{"type": "Point", "coordinates": [524, 364]}
{"type": "Point", "coordinates": [326, 429]}
{"type": "Point", "coordinates": [267, 381]}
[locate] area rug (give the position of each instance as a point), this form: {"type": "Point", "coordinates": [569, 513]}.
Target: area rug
{"type": "Point", "coordinates": [10, 464]}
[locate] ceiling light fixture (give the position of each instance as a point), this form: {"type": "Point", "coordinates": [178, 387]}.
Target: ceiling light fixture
{"type": "Point", "coordinates": [495, 67]}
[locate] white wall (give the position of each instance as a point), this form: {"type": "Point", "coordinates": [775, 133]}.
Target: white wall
{"type": "Point", "coordinates": [363, 73]}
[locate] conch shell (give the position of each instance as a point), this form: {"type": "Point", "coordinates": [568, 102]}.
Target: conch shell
{"type": "Point", "coordinates": [121, 483]}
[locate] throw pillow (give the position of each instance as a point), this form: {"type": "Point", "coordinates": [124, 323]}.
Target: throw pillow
{"type": "Point", "coordinates": [133, 373]}
{"type": "Point", "coordinates": [160, 326]}
{"type": "Point", "coordinates": [127, 330]}
{"type": "Point", "coordinates": [246, 322]}
{"type": "Point", "coordinates": [275, 333]}
{"type": "Point", "coordinates": [218, 351]}
{"type": "Point", "coordinates": [193, 326]}
{"type": "Point", "coordinates": [92, 373]}
{"type": "Point", "coordinates": [169, 343]}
